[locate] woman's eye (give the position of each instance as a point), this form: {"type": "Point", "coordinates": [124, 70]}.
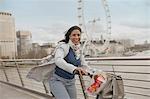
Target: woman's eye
{"type": "Point", "coordinates": [76, 35]}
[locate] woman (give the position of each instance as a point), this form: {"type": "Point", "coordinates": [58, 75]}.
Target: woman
{"type": "Point", "coordinates": [68, 60]}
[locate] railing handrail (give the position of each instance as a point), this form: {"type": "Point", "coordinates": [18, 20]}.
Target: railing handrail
{"type": "Point", "coordinates": [104, 61]}
{"type": "Point", "coordinates": [89, 59]}
{"type": "Point", "coordinates": [118, 58]}
{"type": "Point", "coordinates": [18, 60]}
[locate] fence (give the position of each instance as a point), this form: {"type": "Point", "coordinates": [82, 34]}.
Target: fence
{"type": "Point", "coordinates": [135, 73]}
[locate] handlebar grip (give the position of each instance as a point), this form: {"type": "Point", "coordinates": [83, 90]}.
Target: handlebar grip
{"type": "Point", "coordinates": [76, 72]}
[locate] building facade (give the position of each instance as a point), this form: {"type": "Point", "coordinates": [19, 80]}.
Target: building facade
{"type": "Point", "coordinates": [8, 40]}
{"type": "Point", "coordinates": [24, 42]}
{"type": "Point", "coordinates": [127, 43]}
{"type": "Point", "coordinates": [48, 47]}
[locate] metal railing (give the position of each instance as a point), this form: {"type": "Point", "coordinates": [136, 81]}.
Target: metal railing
{"type": "Point", "coordinates": [134, 70]}
{"type": "Point", "coordinates": [135, 73]}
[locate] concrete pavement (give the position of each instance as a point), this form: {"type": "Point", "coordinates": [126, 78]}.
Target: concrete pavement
{"type": "Point", "coordinates": [9, 92]}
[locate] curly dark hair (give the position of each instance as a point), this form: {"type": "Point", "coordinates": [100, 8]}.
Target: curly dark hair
{"type": "Point", "coordinates": [66, 40]}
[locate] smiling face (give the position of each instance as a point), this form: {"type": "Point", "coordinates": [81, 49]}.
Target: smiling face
{"type": "Point", "coordinates": [75, 36]}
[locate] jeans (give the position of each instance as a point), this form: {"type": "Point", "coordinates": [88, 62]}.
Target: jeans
{"type": "Point", "coordinates": [62, 88]}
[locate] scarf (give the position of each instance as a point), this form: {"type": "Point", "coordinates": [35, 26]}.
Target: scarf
{"type": "Point", "coordinates": [76, 49]}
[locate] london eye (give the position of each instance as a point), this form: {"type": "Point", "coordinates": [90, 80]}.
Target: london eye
{"type": "Point", "coordinates": [86, 37]}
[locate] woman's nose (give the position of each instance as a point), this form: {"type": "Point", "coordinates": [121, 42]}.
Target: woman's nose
{"type": "Point", "coordinates": [76, 36]}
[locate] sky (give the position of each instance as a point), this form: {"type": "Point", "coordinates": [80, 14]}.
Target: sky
{"type": "Point", "coordinates": [48, 20]}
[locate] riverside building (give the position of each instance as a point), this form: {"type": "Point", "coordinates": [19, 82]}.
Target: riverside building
{"type": "Point", "coordinates": [8, 40]}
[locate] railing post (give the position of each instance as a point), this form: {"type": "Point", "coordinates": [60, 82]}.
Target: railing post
{"type": "Point", "coordinates": [45, 87]}
{"type": "Point", "coordinates": [113, 69]}
{"type": "Point", "coordinates": [3, 67]}
{"type": "Point", "coordinates": [19, 74]}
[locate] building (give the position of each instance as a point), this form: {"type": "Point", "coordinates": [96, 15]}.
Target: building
{"type": "Point", "coordinates": [115, 48]}
{"type": "Point", "coordinates": [48, 47]}
{"type": "Point", "coordinates": [101, 48]}
{"type": "Point", "coordinates": [24, 42]}
{"type": "Point", "coordinates": [8, 40]}
{"type": "Point", "coordinates": [127, 43]}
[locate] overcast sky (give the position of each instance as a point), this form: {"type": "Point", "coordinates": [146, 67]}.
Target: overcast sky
{"type": "Point", "coordinates": [49, 19]}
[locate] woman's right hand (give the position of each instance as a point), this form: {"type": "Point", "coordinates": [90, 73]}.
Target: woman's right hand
{"type": "Point", "coordinates": [80, 70]}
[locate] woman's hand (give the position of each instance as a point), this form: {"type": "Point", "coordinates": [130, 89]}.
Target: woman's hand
{"type": "Point", "coordinates": [80, 70]}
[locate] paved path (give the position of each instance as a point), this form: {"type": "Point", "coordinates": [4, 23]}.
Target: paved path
{"type": "Point", "coordinates": [9, 92]}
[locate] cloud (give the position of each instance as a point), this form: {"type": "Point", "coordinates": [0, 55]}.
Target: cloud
{"type": "Point", "coordinates": [1, 1]}
{"type": "Point", "coordinates": [137, 25]}
{"type": "Point", "coordinates": [139, 35]}
{"type": "Point", "coordinates": [147, 3]}
{"type": "Point", "coordinates": [52, 33]}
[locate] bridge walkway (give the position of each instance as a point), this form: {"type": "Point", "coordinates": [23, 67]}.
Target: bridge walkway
{"type": "Point", "coordinates": [11, 92]}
